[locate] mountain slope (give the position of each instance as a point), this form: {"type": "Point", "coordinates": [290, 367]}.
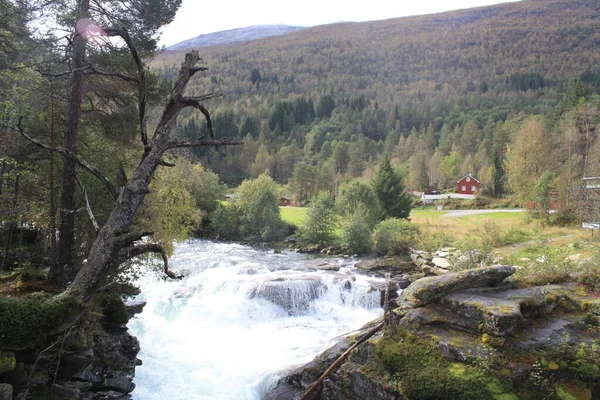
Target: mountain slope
{"type": "Point", "coordinates": [445, 81]}
{"type": "Point", "coordinates": [239, 35]}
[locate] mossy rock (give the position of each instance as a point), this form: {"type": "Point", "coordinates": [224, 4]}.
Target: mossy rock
{"type": "Point", "coordinates": [7, 361]}
{"type": "Point", "coordinates": [27, 320]}
{"type": "Point", "coordinates": [422, 372]}
{"type": "Point", "coordinates": [112, 308]}
{"type": "Point", "coordinates": [499, 391]}
{"type": "Point", "coordinates": [432, 289]}
{"type": "Point", "coordinates": [573, 391]}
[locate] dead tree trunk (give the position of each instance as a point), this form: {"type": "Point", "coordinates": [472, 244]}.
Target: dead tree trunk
{"type": "Point", "coordinates": [63, 270]}
{"type": "Point", "coordinates": [115, 243]}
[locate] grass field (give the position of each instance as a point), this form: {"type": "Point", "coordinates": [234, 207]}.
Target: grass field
{"type": "Point", "coordinates": [510, 234]}
{"type": "Point", "coordinates": [293, 215]}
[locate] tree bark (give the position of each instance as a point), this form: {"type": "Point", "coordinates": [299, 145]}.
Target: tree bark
{"type": "Point", "coordinates": [64, 268]}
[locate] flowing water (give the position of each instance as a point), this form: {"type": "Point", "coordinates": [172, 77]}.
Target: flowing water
{"type": "Point", "coordinates": [239, 317]}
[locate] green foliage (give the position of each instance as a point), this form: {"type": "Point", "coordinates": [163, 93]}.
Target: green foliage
{"type": "Point", "coordinates": [395, 236]}
{"type": "Point", "coordinates": [356, 231]}
{"type": "Point", "coordinates": [586, 364]}
{"type": "Point", "coordinates": [169, 211]}
{"type": "Point", "coordinates": [541, 196]}
{"type": "Point", "coordinates": [357, 197]}
{"type": "Point", "coordinates": [389, 188]}
{"type": "Point", "coordinates": [112, 307]}
{"type": "Point", "coordinates": [180, 197]}
{"type": "Point", "coordinates": [421, 372]}
{"type": "Point", "coordinates": [225, 222]}
{"type": "Point", "coordinates": [27, 320]}
{"type": "Point", "coordinates": [257, 205]}
{"type": "Point", "coordinates": [320, 221]}
{"type": "Point", "coordinates": [303, 182]}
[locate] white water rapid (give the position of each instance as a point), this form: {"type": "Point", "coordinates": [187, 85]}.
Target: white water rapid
{"type": "Point", "coordinates": [240, 317]}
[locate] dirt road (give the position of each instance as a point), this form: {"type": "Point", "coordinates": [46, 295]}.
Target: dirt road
{"type": "Point", "coordinates": [462, 213]}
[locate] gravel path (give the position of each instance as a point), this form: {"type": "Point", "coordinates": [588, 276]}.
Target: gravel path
{"type": "Point", "coordinates": [462, 213]}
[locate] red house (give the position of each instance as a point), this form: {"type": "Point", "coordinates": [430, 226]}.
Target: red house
{"type": "Point", "coordinates": [467, 185]}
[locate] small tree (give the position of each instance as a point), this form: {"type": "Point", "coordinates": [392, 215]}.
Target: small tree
{"type": "Point", "coordinates": [257, 205]}
{"type": "Point", "coordinates": [541, 196]}
{"type": "Point", "coordinates": [356, 196]}
{"type": "Point", "coordinates": [389, 188]}
{"type": "Point", "coordinates": [356, 231]}
{"type": "Point", "coordinates": [395, 236]}
{"type": "Point", "coordinates": [320, 220]}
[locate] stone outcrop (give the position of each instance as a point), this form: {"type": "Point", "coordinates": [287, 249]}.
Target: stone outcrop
{"type": "Point", "coordinates": [431, 289]}
{"type": "Point", "coordinates": [472, 315]}
{"type": "Point", "coordinates": [84, 363]}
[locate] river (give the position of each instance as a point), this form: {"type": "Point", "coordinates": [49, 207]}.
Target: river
{"type": "Point", "coordinates": [239, 317]}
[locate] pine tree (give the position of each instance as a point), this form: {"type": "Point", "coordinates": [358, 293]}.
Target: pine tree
{"type": "Point", "coordinates": [389, 187]}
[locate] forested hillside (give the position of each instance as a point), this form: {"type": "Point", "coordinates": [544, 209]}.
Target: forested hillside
{"type": "Point", "coordinates": [442, 94]}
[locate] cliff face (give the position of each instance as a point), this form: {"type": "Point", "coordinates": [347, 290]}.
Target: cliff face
{"type": "Point", "coordinates": [468, 335]}
{"type": "Point", "coordinates": [93, 360]}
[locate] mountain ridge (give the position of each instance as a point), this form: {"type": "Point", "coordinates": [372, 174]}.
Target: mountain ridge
{"type": "Point", "coordinates": [237, 35]}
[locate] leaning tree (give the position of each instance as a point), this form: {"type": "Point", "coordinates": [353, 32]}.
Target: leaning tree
{"type": "Point", "coordinates": [115, 242]}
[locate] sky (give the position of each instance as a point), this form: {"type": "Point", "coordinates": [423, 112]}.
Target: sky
{"type": "Point", "coordinates": [198, 17]}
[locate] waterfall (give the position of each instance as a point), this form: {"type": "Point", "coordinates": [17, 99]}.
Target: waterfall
{"type": "Point", "coordinates": [239, 317]}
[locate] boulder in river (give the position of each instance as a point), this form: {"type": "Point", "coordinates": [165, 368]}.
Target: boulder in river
{"type": "Point", "coordinates": [293, 294]}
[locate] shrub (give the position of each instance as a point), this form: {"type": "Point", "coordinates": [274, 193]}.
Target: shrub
{"type": "Point", "coordinates": [435, 241]}
{"type": "Point", "coordinates": [395, 236]}
{"type": "Point", "coordinates": [564, 217]}
{"type": "Point", "coordinates": [224, 222]}
{"type": "Point", "coordinates": [356, 195]}
{"type": "Point", "coordinates": [320, 220]}
{"type": "Point", "coordinates": [356, 232]}
{"type": "Point", "coordinates": [257, 206]}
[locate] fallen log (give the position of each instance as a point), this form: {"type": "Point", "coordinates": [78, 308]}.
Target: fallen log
{"type": "Point", "coordinates": [360, 340]}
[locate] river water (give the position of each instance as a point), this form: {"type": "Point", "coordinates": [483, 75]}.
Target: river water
{"type": "Point", "coordinates": [239, 317]}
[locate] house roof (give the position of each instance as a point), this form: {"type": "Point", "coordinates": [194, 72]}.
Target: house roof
{"type": "Point", "coordinates": [470, 176]}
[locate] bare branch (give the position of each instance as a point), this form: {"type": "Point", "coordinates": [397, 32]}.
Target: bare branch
{"type": "Point", "coordinates": [196, 102]}
{"type": "Point", "coordinates": [204, 142]}
{"type": "Point", "coordinates": [130, 252]}
{"type": "Point", "coordinates": [68, 154]}
{"type": "Point", "coordinates": [127, 239]}
{"type": "Point", "coordinates": [197, 69]}
{"type": "Point", "coordinates": [96, 71]}
{"type": "Point", "coordinates": [166, 164]}
{"type": "Point", "coordinates": [61, 74]}
{"type": "Point", "coordinates": [190, 100]}
{"type": "Point", "coordinates": [77, 211]}
{"type": "Point", "coordinates": [88, 208]}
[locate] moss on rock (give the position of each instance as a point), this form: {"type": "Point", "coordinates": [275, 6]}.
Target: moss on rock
{"type": "Point", "coordinates": [422, 372]}
{"type": "Point", "coordinates": [27, 320]}
{"type": "Point", "coordinates": [112, 308]}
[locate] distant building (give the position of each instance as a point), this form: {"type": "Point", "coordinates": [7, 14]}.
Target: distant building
{"type": "Point", "coordinates": [467, 185]}
{"type": "Point", "coordinates": [228, 196]}
{"type": "Point", "coordinates": [285, 201]}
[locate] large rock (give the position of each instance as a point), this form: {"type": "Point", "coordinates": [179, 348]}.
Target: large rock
{"type": "Point", "coordinates": [6, 391]}
{"type": "Point", "coordinates": [432, 289]}
{"type": "Point", "coordinates": [293, 294]}
{"type": "Point", "coordinates": [381, 265]}
{"type": "Point", "coordinates": [441, 262]}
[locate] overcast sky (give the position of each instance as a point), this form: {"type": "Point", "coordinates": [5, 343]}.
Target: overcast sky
{"type": "Point", "coordinates": [197, 17]}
